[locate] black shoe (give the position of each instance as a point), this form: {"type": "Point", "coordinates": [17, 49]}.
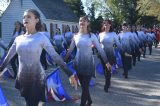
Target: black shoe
{"type": "Point", "coordinates": [126, 76]}
{"type": "Point", "coordinates": [105, 88]}
{"type": "Point", "coordinates": [134, 64]}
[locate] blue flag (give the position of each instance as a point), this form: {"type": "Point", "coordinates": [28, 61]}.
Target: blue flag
{"type": "Point", "coordinates": [91, 83]}
{"type": "Point", "coordinates": [63, 53]}
{"type": "Point", "coordinates": [2, 59]}
{"type": "Point", "coordinates": [99, 69]}
{"type": "Point", "coordinates": [118, 57]}
{"type": "Point", "coordinates": [114, 71]}
{"type": "Point", "coordinates": [3, 101]}
{"type": "Point", "coordinates": [54, 87]}
{"type": "Point", "coordinates": [7, 73]}
{"type": "Point", "coordinates": [70, 66]}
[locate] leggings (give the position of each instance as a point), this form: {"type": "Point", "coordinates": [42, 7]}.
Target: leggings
{"type": "Point", "coordinates": [30, 102]}
{"type": "Point", "coordinates": [84, 81]}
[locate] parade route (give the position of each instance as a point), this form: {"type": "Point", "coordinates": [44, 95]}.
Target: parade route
{"type": "Point", "coordinates": [142, 88]}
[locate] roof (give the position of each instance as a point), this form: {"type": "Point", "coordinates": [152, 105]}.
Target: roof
{"type": "Point", "coordinates": [56, 9]}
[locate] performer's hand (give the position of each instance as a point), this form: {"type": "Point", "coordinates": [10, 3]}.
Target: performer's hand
{"type": "Point", "coordinates": [73, 81]}
{"type": "Point", "coordinates": [126, 54]}
{"type": "Point", "coordinates": [109, 66]}
{"type": "Point", "coordinates": [141, 51]}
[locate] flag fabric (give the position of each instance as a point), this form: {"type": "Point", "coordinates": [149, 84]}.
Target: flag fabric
{"type": "Point", "coordinates": [55, 88]}
{"type": "Point", "coordinates": [70, 66]}
{"type": "Point", "coordinates": [114, 71]}
{"type": "Point", "coordinates": [3, 101]}
{"type": "Point", "coordinates": [63, 53]}
{"type": "Point", "coordinates": [99, 69]}
{"type": "Point", "coordinates": [2, 59]}
{"type": "Point", "coordinates": [7, 73]}
{"type": "Point", "coordinates": [118, 57]}
{"type": "Point", "coordinates": [91, 83]}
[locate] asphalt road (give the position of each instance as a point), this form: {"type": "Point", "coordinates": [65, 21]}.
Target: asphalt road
{"type": "Point", "coordinates": [142, 88]}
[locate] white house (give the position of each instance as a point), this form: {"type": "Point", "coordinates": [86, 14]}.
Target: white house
{"type": "Point", "coordinates": [0, 28]}
{"type": "Point", "coordinates": [55, 13]}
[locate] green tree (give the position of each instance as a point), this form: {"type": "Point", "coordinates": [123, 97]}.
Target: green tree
{"type": "Point", "coordinates": [76, 6]}
{"type": "Point", "coordinates": [97, 24]}
{"type": "Point", "coordinates": [124, 10]}
{"type": "Point", "coordinates": [150, 8]}
{"type": "Point", "coordinates": [149, 21]}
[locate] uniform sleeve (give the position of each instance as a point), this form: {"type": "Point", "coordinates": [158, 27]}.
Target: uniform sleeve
{"type": "Point", "coordinates": [72, 46]}
{"type": "Point", "coordinates": [64, 40]}
{"type": "Point", "coordinates": [117, 41]}
{"type": "Point", "coordinates": [125, 45]}
{"type": "Point", "coordinates": [99, 48]}
{"type": "Point", "coordinates": [54, 55]}
{"type": "Point", "coordinates": [136, 38]}
{"type": "Point", "coordinates": [9, 56]}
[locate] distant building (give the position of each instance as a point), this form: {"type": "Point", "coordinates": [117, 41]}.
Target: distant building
{"type": "Point", "coordinates": [55, 13]}
{"type": "Point", "coordinates": [0, 28]}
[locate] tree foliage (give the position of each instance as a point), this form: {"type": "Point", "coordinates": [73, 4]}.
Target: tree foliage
{"type": "Point", "coordinates": [124, 10]}
{"type": "Point", "coordinates": [131, 11]}
{"type": "Point", "coordinates": [149, 21]}
{"type": "Point", "coordinates": [95, 23]}
{"type": "Point", "coordinates": [76, 6]}
{"type": "Point", "coordinates": [150, 7]}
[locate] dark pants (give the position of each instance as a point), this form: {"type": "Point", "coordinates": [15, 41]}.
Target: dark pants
{"type": "Point", "coordinates": [150, 48]}
{"type": "Point", "coordinates": [156, 43]}
{"type": "Point", "coordinates": [30, 102]}
{"type": "Point", "coordinates": [33, 93]}
{"type": "Point", "coordinates": [144, 51]}
{"type": "Point", "coordinates": [107, 75]}
{"type": "Point", "coordinates": [84, 81]}
{"type": "Point", "coordinates": [134, 58]}
{"type": "Point", "coordinates": [14, 60]}
{"type": "Point", "coordinates": [139, 54]}
{"type": "Point", "coordinates": [127, 64]}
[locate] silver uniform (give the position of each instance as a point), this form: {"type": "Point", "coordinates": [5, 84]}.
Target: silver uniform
{"type": "Point", "coordinates": [84, 57]}
{"type": "Point", "coordinates": [107, 41]}
{"type": "Point", "coordinates": [125, 39]}
{"type": "Point", "coordinates": [31, 76]}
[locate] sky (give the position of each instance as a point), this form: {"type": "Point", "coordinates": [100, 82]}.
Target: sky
{"type": "Point", "coordinates": [87, 3]}
{"type": "Point", "coordinates": [3, 5]}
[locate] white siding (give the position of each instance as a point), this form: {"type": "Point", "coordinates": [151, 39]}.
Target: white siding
{"type": "Point", "coordinates": [8, 18]}
{"type": "Point", "coordinates": [13, 13]}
